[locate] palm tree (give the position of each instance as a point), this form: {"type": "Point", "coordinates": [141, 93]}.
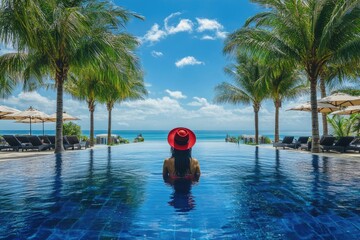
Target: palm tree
{"type": "Point", "coordinates": [283, 82]}
{"type": "Point", "coordinates": [85, 86]}
{"type": "Point", "coordinates": [133, 90]}
{"type": "Point", "coordinates": [245, 88]}
{"type": "Point", "coordinates": [57, 36]}
{"type": "Point", "coordinates": [310, 33]}
{"type": "Point", "coordinates": [92, 83]}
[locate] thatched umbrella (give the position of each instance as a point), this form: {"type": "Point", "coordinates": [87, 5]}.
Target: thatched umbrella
{"type": "Point", "coordinates": [322, 108]}
{"type": "Point", "coordinates": [4, 110]}
{"type": "Point", "coordinates": [30, 114]}
{"type": "Point", "coordinates": [348, 110]}
{"type": "Point", "coordinates": [341, 100]}
{"type": "Point", "coordinates": [66, 117]}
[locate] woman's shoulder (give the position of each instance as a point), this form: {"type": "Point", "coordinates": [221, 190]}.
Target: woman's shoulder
{"type": "Point", "coordinates": [194, 160]}
{"type": "Point", "coordinates": [168, 160]}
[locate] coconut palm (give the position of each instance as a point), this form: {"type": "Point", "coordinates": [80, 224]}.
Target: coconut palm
{"type": "Point", "coordinates": [92, 83]}
{"type": "Point", "coordinates": [55, 37]}
{"type": "Point", "coordinates": [245, 88]}
{"type": "Point", "coordinates": [85, 87]}
{"type": "Point", "coordinates": [117, 93]}
{"type": "Point", "coordinates": [283, 82]}
{"type": "Point", "coordinates": [310, 33]}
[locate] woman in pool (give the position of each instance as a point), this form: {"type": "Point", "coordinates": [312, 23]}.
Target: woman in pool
{"type": "Point", "coordinates": [181, 165]}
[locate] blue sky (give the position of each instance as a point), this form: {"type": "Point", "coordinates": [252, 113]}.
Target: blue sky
{"type": "Point", "coordinates": [181, 55]}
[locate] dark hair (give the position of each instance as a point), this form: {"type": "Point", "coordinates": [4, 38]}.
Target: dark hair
{"type": "Point", "coordinates": [182, 161]}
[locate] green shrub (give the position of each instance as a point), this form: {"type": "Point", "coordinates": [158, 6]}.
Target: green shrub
{"type": "Point", "coordinates": [71, 128]}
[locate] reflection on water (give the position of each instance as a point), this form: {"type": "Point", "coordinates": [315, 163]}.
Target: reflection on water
{"type": "Point", "coordinates": [181, 198]}
{"type": "Point", "coordinates": [118, 193]}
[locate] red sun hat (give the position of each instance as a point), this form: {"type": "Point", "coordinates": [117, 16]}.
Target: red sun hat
{"type": "Point", "coordinates": [181, 138]}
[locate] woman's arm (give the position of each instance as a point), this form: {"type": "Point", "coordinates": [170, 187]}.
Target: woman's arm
{"type": "Point", "coordinates": [197, 172]}
{"type": "Point", "coordinates": [165, 170]}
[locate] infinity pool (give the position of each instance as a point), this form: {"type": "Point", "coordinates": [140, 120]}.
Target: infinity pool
{"type": "Point", "coordinates": [118, 193]}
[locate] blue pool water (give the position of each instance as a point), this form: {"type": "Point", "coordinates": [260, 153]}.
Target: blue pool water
{"type": "Point", "coordinates": [118, 193]}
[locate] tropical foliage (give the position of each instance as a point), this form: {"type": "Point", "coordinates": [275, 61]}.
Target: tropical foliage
{"type": "Point", "coordinates": [56, 37]}
{"type": "Point", "coordinates": [309, 33]}
{"type": "Point", "coordinates": [344, 126]}
{"type": "Point", "coordinates": [283, 82]}
{"type": "Point", "coordinates": [245, 88]}
{"type": "Point", "coordinates": [72, 129]}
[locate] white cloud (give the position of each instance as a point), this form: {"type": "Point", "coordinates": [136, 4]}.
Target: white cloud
{"type": "Point", "coordinates": [211, 28]}
{"type": "Point", "coordinates": [155, 34]}
{"type": "Point", "coordinates": [175, 94]}
{"type": "Point", "coordinates": [210, 25]}
{"type": "Point", "coordinates": [147, 84]}
{"type": "Point", "coordinates": [189, 60]}
{"type": "Point", "coordinates": [185, 25]}
{"type": "Point", "coordinates": [198, 102]}
{"type": "Point", "coordinates": [156, 54]}
{"type": "Point", "coordinates": [207, 37]}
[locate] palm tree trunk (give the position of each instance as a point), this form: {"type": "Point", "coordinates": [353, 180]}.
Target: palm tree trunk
{"type": "Point", "coordinates": [256, 111]}
{"type": "Point", "coordinates": [324, 115]}
{"type": "Point", "coordinates": [277, 106]}
{"type": "Point", "coordinates": [315, 147]}
{"type": "Point", "coordinates": [59, 78]}
{"type": "Point", "coordinates": [109, 108]}
{"type": "Point", "coordinates": [91, 107]}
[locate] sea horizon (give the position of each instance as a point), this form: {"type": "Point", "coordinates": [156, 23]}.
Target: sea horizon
{"type": "Point", "coordinates": [153, 135]}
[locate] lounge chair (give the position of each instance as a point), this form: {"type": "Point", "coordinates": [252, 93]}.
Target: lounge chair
{"type": "Point", "coordinates": [37, 144]}
{"type": "Point", "coordinates": [4, 144]}
{"type": "Point", "coordinates": [354, 145]}
{"type": "Point", "coordinates": [340, 145]}
{"type": "Point", "coordinates": [68, 145]}
{"type": "Point", "coordinates": [23, 139]}
{"type": "Point", "coordinates": [46, 140]}
{"type": "Point", "coordinates": [14, 143]}
{"type": "Point", "coordinates": [75, 141]}
{"type": "Point", "coordinates": [299, 142]}
{"type": "Point", "coordinates": [286, 142]}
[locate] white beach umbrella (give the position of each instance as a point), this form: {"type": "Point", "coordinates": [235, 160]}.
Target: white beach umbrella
{"type": "Point", "coordinates": [321, 108]}
{"type": "Point", "coordinates": [4, 110]}
{"type": "Point", "coordinates": [36, 120]}
{"type": "Point", "coordinates": [348, 110]}
{"type": "Point", "coordinates": [29, 114]}
{"type": "Point", "coordinates": [341, 100]}
{"type": "Point", "coordinates": [66, 117]}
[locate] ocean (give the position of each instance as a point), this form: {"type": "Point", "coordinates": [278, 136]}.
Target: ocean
{"type": "Point", "coordinates": [156, 135]}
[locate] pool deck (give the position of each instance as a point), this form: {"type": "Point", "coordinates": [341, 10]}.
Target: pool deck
{"type": "Point", "coordinates": [7, 155]}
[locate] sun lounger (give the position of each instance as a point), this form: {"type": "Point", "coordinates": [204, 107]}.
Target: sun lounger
{"type": "Point", "coordinates": [70, 145]}
{"type": "Point", "coordinates": [286, 142]}
{"type": "Point", "coordinates": [37, 144]}
{"type": "Point", "coordinates": [23, 139]}
{"type": "Point", "coordinates": [75, 141]}
{"type": "Point", "coordinates": [14, 143]}
{"type": "Point", "coordinates": [354, 145]}
{"type": "Point", "coordinates": [46, 140]}
{"type": "Point", "coordinates": [340, 145]}
{"type": "Point", "coordinates": [299, 142]}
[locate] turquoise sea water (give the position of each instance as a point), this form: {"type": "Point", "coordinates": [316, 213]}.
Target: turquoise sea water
{"type": "Point", "coordinates": [155, 135]}
{"type": "Point", "coordinates": [117, 192]}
